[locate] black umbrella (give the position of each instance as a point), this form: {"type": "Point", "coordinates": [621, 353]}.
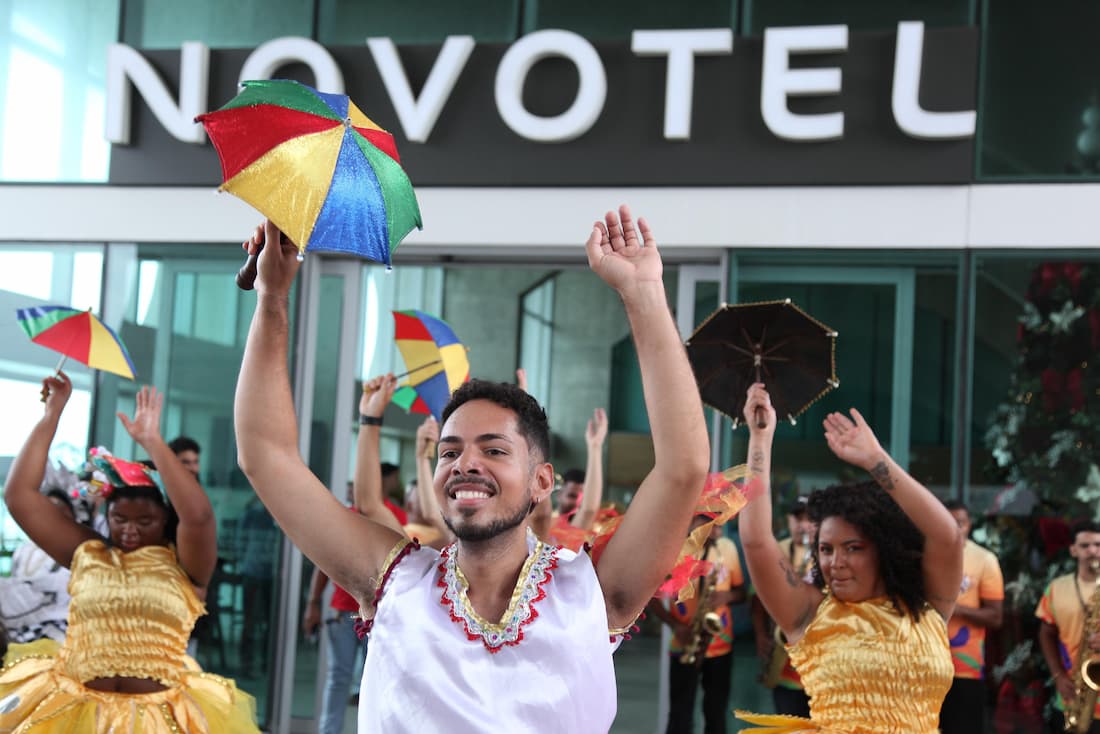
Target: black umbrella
{"type": "Point", "coordinates": [774, 342]}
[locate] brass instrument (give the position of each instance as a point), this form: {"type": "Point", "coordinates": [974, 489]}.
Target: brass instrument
{"type": "Point", "coordinates": [1086, 675]}
{"type": "Point", "coordinates": [777, 660]}
{"type": "Point", "coordinates": [705, 623]}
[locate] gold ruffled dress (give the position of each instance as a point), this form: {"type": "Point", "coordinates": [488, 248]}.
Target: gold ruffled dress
{"type": "Point", "coordinates": [868, 670]}
{"type": "Point", "coordinates": [131, 615]}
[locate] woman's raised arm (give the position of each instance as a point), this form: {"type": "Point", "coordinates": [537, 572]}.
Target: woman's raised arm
{"type": "Point", "coordinates": [790, 601]}
{"type": "Point", "coordinates": [46, 526]}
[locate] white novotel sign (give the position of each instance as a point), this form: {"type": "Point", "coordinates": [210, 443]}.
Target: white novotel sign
{"type": "Point", "coordinates": [418, 114]}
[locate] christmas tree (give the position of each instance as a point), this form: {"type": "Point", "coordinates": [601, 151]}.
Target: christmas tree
{"type": "Point", "coordinates": [1044, 437]}
{"type": "Point", "coordinates": [1043, 441]}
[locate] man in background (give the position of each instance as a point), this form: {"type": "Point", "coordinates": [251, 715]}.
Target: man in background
{"type": "Point", "coordinates": [1063, 610]}
{"type": "Point", "coordinates": [979, 608]}
{"type": "Point", "coordinates": [778, 674]}
{"type": "Point", "coordinates": [187, 451]}
{"type": "Point", "coordinates": [699, 655]}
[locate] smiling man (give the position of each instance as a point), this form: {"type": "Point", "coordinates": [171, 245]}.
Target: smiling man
{"type": "Point", "coordinates": [499, 631]}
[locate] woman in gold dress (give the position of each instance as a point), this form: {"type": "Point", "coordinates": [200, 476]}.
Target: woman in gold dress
{"type": "Point", "coordinates": [135, 597]}
{"type": "Point", "coordinates": [869, 635]}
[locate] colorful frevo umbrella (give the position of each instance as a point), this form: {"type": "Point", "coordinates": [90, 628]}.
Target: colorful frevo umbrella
{"type": "Point", "coordinates": [316, 166]}
{"type": "Point", "coordinates": [77, 335]}
{"type": "Point", "coordinates": [435, 359]}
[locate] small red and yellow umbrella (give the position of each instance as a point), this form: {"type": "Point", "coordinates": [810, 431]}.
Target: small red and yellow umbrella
{"type": "Point", "coordinates": [78, 335]}
{"type": "Point", "coordinates": [436, 361]}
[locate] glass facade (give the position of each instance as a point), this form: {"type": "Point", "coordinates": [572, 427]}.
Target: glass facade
{"type": "Point", "coordinates": [347, 22]}
{"type": "Point", "coordinates": [760, 14]}
{"type": "Point", "coordinates": [1039, 116]}
{"type": "Point", "coordinates": [166, 24]}
{"type": "Point", "coordinates": [53, 61]}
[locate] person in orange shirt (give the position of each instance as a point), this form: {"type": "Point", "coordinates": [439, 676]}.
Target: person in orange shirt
{"type": "Point", "coordinates": [979, 608]}
{"type": "Point", "coordinates": [713, 665]}
{"type": "Point", "coordinates": [1062, 610]}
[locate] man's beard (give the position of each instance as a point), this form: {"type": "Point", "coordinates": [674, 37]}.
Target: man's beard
{"type": "Point", "coordinates": [471, 533]}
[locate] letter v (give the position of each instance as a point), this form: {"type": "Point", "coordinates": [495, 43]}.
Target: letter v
{"type": "Point", "coordinates": [418, 116]}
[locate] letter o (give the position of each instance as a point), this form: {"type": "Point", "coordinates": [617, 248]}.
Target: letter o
{"type": "Point", "coordinates": [512, 73]}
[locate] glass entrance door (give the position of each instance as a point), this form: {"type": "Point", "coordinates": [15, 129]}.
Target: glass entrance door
{"type": "Point", "coordinates": [325, 402]}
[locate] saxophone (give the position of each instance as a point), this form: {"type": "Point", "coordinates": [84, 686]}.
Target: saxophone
{"type": "Point", "coordinates": [1086, 675]}
{"type": "Point", "coordinates": [705, 623]}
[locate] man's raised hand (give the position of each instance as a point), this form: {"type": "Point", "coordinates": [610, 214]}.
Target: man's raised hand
{"type": "Point", "coordinates": [276, 266]}
{"type": "Point", "coordinates": [623, 255]}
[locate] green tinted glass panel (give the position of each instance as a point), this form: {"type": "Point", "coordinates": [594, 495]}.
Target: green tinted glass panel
{"type": "Point", "coordinates": [186, 331]}
{"type": "Point", "coordinates": [932, 416]}
{"type": "Point", "coordinates": [53, 61]}
{"type": "Point", "coordinates": [1039, 115]}
{"type": "Point", "coordinates": [858, 15]}
{"type": "Point", "coordinates": [1036, 377]}
{"type": "Point", "coordinates": [167, 24]}
{"type": "Point", "coordinates": [864, 317]}
{"type": "Point", "coordinates": [431, 21]}
{"type": "Point", "coordinates": [614, 21]}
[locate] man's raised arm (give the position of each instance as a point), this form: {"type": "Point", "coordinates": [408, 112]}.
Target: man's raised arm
{"type": "Point", "coordinates": [648, 541]}
{"type": "Point", "coordinates": [349, 549]}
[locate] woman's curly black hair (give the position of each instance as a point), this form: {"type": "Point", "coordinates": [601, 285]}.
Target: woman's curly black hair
{"type": "Point", "coordinates": [899, 543]}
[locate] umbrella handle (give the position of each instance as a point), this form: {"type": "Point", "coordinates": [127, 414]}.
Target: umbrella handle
{"type": "Point", "coordinates": [45, 391]}
{"type": "Point", "coordinates": [761, 418]}
{"type": "Point", "coordinates": [246, 276]}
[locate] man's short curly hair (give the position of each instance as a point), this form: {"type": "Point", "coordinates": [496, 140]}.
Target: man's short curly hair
{"type": "Point", "coordinates": [530, 417]}
{"type": "Point", "coordinates": [899, 543]}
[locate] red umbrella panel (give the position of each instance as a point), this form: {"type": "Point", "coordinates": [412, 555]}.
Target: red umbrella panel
{"type": "Point", "coordinates": [78, 335]}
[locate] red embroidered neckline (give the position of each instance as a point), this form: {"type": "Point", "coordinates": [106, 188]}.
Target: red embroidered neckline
{"type": "Point", "coordinates": [530, 589]}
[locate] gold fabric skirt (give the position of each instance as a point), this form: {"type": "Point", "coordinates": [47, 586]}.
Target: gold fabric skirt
{"type": "Point", "coordinates": [37, 697]}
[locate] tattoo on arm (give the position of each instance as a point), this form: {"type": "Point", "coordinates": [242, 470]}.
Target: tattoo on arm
{"type": "Point", "coordinates": [792, 578]}
{"type": "Point", "coordinates": [881, 474]}
{"type": "Point", "coordinates": [756, 461]}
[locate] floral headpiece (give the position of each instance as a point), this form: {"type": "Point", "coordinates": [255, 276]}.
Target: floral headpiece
{"type": "Point", "coordinates": [104, 472]}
